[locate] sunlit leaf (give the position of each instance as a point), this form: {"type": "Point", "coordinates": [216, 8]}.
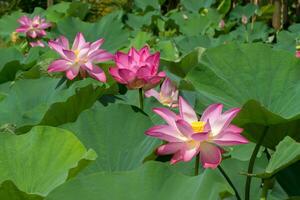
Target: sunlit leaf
{"type": "Point", "coordinates": [116, 133]}
{"type": "Point", "coordinates": [30, 102]}
{"type": "Point", "coordinates": [267, 84]}
{"type": "Point", "coordinates": [108, 27]}
{"type": "Point", "coordinates": [151, 181]}
{"type": "Point", "coordinates": [40, 160]}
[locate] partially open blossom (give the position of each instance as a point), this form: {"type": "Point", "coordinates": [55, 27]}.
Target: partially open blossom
{"type": "Point", "coordinates": [137, 69]}
{"type": "Point", "coordinates": [221, 24]}
{"type": "Point", "coordinates": [188, 136]}
{"type": "Point", "coordinates": [244, 19]}
{"type": "Point", "coordinates": [81, 57]}
{"type": "Point", "coordinates": [297, 54]}
{"type": "Point", "coordinates": [168, 94]}
{"type": "Point", "coordinates": [33, 28]}
{"type": "Point", "coordinates": [37, 43]}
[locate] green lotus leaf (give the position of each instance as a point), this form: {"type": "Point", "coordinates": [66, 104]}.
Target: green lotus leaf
{"type": "Point", "coordinates": [263, 81]}
{"type": "Point", "coordinates": [34, 101]}
{"type": "Point", "coordinates": [116, 133]}
{"type": "Point", "coordinates": [39, 161]}
{"type": "Point", "coordinates": [287, 153]}
{"type": "Point", "coordinates": [151, 181]}
{"type": "Point", "coordinates": [8, 24]}
{"type": "Point", "coordinates": [110, 28]}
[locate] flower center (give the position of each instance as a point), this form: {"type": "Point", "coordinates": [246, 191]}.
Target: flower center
{"type": "Point", "coordinates": [136, 84]}
{"type": "Point", "coordinates": [76, 52]}
{"type": "Point", "coordinates": [166, 101]}
{"type": "Point", "coordinates": [193, 143]}
{"type": "Point", "coordinates": [198, 126]}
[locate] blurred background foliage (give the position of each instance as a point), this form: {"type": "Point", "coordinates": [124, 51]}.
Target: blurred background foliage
{"type": "Point", "coordinates": [98, 7]}
{"type": "Point", "coordinates": [277, 13]}
{"type": "Point", "coordinates": [105, 6]}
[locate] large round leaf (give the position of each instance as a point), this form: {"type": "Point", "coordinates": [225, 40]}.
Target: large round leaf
{"type": "Point", "coordinates": [196, 24]}
{"type": "Point", "coordinates": [30, 102]}
{"type": "Point", "coordinates": [152, 181]}
{"type": "Point", "coordinates": [40, 160]}
{"type": "Point", "coordinates": [235, 74]}
{"type": "Point", "coordinates": [116, 133]}
{"type": "Point", "coordinates": [109, 28]}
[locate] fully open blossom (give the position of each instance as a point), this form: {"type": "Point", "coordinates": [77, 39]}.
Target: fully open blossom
{"type": "Point", "coordinates": [168, 94]}
{"type": "Point", "coordinates": [188, 136]}
{"type": "Point", "coordinates": [33, 28]}
{"type": "Point", "coordinates": [137, 69]}
{"type": "Point", "coordinates": [81, 57]}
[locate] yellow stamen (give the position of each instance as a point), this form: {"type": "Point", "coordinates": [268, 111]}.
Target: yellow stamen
{"type": "Point", "coordinates": [193, 143]}
{"type": "Point", "coordinates": [166, 101]}
{"type": "Point", "coordinates": [76, 52]}
{"type": "Point", "coordinates": [14, 37]}
{"type": "Point", "coordinates": [198, 126]}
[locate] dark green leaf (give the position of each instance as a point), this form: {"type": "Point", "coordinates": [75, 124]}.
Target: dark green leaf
{"type": "Point", "coordinates": [151, 181]}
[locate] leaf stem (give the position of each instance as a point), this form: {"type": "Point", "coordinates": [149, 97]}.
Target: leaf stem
{"type": "Point", "coordinates": [251, 164]}
{"type": "Point", "coordinates": [264, 192]}
{"type": "Point", "coordinates": [197, 164]}
{"type": "Point", "coordinates": [268, 184]}
{"type": "Point", "coordinates": [141, 98]}
{"type": "Point", "coordinates": [238, 197]}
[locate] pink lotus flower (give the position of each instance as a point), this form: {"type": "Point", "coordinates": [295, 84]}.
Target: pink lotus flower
{"type": "Point", "coordinates": [79, 58]}
{"type": "Point", "coordinates": [33, 27]}
{"type": "Point", "coordinates": [37, 43]}
{"type": "Point", "coordinates": [244, 19]}
{"type": "Point", "coordinates": [168, 94]}
{"type": "Point", "coordinates": [222, 24]}
{"type": "Point", "coordinates": [188, 136]}
{"type": "Point", "coordinates": [137, 69]}
{"type": "Point", "coordinates": [297, 54]}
